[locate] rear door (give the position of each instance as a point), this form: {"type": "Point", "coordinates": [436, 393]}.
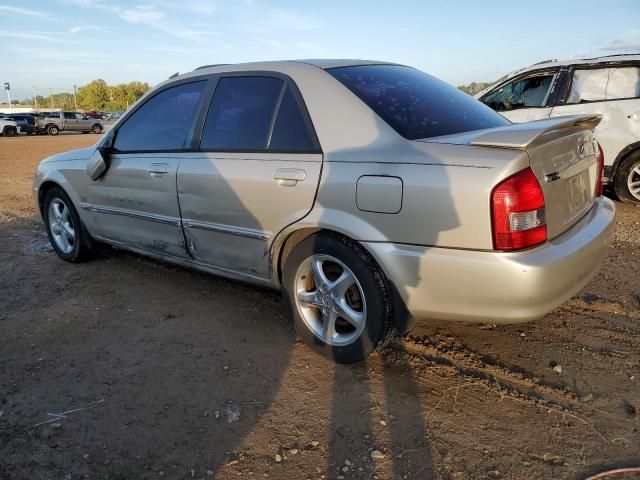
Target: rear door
{"type": "Point", "coordinates": [135, 202]}
{"type": "Point", "coordinates": [614, 93]}
{"type": "Point", "coordinates": [526, 98]}
{"type": "Point", "coordinates": [257, 172]}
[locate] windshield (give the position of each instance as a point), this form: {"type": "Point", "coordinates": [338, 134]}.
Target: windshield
{"type": "Point", "coordinates": [414, 103]}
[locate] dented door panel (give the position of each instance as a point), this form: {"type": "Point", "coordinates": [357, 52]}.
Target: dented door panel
{"type": "Point", "coordinates": [135, 202]}
{"type": "Point", "coordinates": [233, 204]}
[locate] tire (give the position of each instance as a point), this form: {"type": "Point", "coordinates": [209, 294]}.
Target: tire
{"type": "Point", "coordinates": [52, 130]}
{"type": "Point", "coordinates": [97, 129]}
{"type": "Point", "coordinates": [627, 180]}
{"type": "Point", "coordinates": [371, 326]}
{"type": "Point", "coordinates": [9, 131]}
{"type": "Point", "coordinates": [75, 247]}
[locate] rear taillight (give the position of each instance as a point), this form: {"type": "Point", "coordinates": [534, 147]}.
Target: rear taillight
{"type": "Point", "coordinates": [518, 215]}
{"type": "Point", "coordinates": [600, 171]}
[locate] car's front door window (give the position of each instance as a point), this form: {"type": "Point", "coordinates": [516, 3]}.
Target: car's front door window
{"type": "Point", "coordinates": [162, 123]}
{"type": "Point", "coordinates": [532, 91]}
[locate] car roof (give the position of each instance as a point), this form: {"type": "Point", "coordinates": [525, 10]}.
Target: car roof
{"type": "Point", "coordinates": [323, 63]}
{"type": "Point", "coordinates": [289, 67]}
{"type": "Point", "coordinates": [547, 64]}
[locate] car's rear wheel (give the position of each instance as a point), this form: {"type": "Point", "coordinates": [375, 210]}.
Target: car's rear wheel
{"type": "Point", "coordinates": [64, 228]}
{"type": "Point", "coordinates": [339, 298]}
{"type": "Point", "coordinates": [97, 129]}
{"type": "Point", "coordinates": [627, 180]}
{"type": "Point", "coordinates": [52, 130]}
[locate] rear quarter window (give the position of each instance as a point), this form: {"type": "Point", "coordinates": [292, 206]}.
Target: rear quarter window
{"type": "Point", "coordinates": [414, 103]}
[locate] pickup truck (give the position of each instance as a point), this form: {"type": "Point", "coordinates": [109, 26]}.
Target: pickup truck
{"type": "Point", "coordinates": [8, 127]}
{"type": "Point", "coordinates": [54, 122]}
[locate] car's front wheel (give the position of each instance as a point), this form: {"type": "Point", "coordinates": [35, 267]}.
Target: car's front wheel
{"type": "Point", "coordinates": [97, 129]}
{"type": "Point", "coordinates": [10, 131]}
{"type": "Point", "coordinates": [339, 298]}
{"type": "Point", "coordinates": [627, 180]}
{"type": "Point", "coordinates": [52, 130]}
{"type": "Point", "coordinates": [64, 227]}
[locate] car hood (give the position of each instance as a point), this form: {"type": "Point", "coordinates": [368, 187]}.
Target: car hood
{"type": "Point", "coordinates": [78, 154]}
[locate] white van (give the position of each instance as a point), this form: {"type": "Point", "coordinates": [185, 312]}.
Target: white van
{"type": "Point", "coordinates": [609, 86]}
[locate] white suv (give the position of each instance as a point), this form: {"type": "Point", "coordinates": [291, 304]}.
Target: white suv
{"type": "Point", "coordinates": [609, 86]}
{"type": "Point", "coordinates": [8, 127]}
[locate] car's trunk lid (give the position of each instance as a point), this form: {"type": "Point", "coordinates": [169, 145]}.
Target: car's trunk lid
{"type": "Point", "coordinates": [563, 154]}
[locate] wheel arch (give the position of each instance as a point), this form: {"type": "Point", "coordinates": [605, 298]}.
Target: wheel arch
{"type": "Point", "coordinates": [402, 318]}
{"type": "Point", "coordinates": [42, 192]}
{"type": "Point", "coordinates": [624, 153]}
{"type": "Point", "coordinates": [47, 185]}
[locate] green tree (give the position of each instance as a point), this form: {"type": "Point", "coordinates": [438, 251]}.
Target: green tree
{"type": "Point", "coordinates": [94, 95]}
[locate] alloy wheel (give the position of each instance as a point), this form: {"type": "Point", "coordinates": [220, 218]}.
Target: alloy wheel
{"type": "Point", "coordinates": [633, 181]}
{"type": "Point", "coordinates": [330, 300]}
{"type": "Point", "coordinates": [61, 225]}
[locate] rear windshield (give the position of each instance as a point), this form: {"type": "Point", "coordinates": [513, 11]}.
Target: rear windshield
{"type": "Point", "coordinates": [414, 103]}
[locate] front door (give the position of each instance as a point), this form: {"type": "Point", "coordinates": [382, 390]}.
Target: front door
{"type": "Point", "coordinates": [257, 172]}
{"type": "Point", "coordinates": [84, 123]}
{"type": "Point", "coordinates": [135, 202]}
{"type": "Point", "coordinates": [71, 123]}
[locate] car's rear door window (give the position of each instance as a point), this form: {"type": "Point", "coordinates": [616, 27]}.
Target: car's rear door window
{"type": "Point", "coordinates": [241, 113]}
{"type": "Point", "coordinates": [588, 85]}
{"type": "Point", "coordinates": [414, 103]}
{"type": "Point", "coordinates": [163, 122]}
{"type": "Point", "coordinates": [623, 83]}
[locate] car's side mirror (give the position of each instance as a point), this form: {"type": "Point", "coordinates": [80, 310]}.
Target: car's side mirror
{"type": "Point", "coordinates": [99, 162]}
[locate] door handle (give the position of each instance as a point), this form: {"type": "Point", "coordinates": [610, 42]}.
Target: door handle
{"type": "Point", "coordinates": [157, 169]}
{"type": "Point", "coordinates": [289, 177]}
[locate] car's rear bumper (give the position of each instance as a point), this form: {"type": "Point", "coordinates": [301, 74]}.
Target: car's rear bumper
{"type": "Point", "coordinates": [498, 287]}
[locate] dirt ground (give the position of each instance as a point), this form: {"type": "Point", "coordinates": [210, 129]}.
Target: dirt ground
{"type": "Point", "coordinates": [145, 370]}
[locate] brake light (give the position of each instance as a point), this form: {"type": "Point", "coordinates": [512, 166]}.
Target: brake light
{"type": "Point", "coordinates": [600, 171]}
{"type": "Point", "coordinates": [518, 212]}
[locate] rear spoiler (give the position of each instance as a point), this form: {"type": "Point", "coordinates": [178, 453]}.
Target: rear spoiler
{"type": "Point", "coordinates": [521, 136]}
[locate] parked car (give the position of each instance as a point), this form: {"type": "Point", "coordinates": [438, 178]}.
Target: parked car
{"type": "Point", "coordinates": [54, 122]}
{"type": "Point", "coordinates": [110, 116]}
{"type": "Point", "coordinates": [608, 86]}
{"type": "Point", "coordinates": [27, 123]}
{"type": "Point", "coordinates": [8, 126]}
{"type": "Point", "coordinates": [96, 115]}
{"type": "Point", "coordinates": [371, 193]}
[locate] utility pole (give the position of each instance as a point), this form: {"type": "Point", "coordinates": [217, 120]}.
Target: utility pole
{"type": "Point", "coordinates": [75, 98]}
{"type": "Point", "coordinates": [51, 98]}
{"type": "Point", "coordinates": [35, 99]}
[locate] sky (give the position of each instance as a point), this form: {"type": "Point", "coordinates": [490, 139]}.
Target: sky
{"type": "Point", "coordinates": [55, 44]}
